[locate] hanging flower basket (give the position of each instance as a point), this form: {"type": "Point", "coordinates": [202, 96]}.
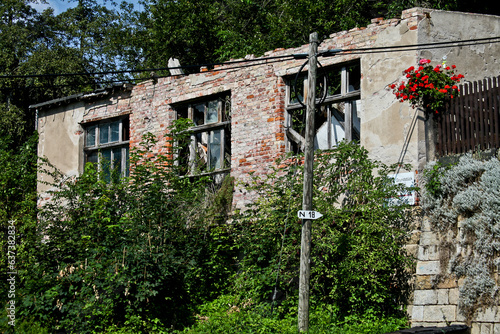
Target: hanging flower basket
{"type": "Point", "coordinates": [428, 86]}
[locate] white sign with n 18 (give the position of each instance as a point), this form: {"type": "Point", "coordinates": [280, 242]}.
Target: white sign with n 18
{"type": "Point", "coordinates": [306, 214]}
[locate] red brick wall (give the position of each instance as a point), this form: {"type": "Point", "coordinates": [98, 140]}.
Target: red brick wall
{"type": "Point", "coordinates": [257, 93]}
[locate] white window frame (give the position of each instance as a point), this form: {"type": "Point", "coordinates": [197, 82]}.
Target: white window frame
{"type": "Point", "coordinates": [96, 148]}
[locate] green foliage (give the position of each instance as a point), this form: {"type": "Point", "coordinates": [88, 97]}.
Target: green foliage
{"type": "Point", "coordinates": [199, 32]}
{"type": "Point", "coordinates": [130, 254]}
{"type": "Point", "coordinates": [462, 203]}
{"type": "Point", "coordinates": [432, 175]}
{"type": "Point", "coordinates": [17, 210]}
{"type": "Point", "coordinates": [357, 260]}
{"type": "Point", "coordinates": [230, 314]}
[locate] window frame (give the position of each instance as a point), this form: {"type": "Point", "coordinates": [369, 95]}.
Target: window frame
{"type": "Point", "coordinates": [222, 126]}
{"type": "Point", "coordinates": [295, 141]}
{"type": "Point", "coordinates": [122, 143]}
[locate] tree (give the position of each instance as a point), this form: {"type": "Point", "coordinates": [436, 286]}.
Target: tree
{"type": "Point", "coordinates": [199, 32]}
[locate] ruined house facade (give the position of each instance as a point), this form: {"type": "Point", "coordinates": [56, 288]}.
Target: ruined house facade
{"type": "Point", "coordinates": [246, 112]}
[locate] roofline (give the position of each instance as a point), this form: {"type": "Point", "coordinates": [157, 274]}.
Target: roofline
{"type": "Point", "coordinates": [82, 96]}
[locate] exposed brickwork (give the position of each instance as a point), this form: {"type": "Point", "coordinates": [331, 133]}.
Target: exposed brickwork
{"type": "Point", "coordinates": [257, 98]}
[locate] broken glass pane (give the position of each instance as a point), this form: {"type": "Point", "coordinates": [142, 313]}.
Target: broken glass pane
{"type": "Point", "coordinates": [90, 136]}
{"type": "Point", "coordinates": [334, 82]}
{"type": "Point", "coordinates": [297, 89]}
{"type": "Point", "coordinates": [337, 132]}
{"type": "Point", "coordinates": [201, 150]}
{"type": "Point", "coordinates": [212, 114]}
{"type": "Point", "coordinates": [215, 149]}
{"type": "Point", "coordinates": [199, 114]}
{"type": "Point", "coordinates": [354, 78]}
{"type": "Point", "coordinates": [321, 125]}
{"type": "Point", "coordinates": [115, 131]}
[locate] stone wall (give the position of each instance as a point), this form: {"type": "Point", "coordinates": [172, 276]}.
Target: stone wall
{"type": "Point", "coordinates": [436, 295]}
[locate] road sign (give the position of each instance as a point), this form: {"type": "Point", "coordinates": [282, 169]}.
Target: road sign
{"type": "Point", "coordinates": [306, 214]}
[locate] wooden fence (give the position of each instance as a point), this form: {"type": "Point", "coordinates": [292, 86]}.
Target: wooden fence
{"type": "Point", "coordinates": [471, 121]}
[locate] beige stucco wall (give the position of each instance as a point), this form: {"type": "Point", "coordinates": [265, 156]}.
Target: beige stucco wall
{"type": "Point", "coordinates": [475, 61]}
{"type": "Point", "coordinates": [387, 129]}
{"type": "Point", "coordinates": [61, 140]}
{"type": "Point", "coordinates": [386, 124]}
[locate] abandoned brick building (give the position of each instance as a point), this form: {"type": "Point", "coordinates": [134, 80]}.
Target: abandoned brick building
{"type": "Point", "coordinates": [247, 116]}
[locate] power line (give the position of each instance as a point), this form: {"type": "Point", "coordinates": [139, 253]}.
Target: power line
{"type": "Point", "coordinates": [410, 47]}
{"type": "Point", "coordinates": [129, 80]}
{"type": "Point", "coordinates": [143, 70]}
{"type": "Point", "coordinates": [267, 60]}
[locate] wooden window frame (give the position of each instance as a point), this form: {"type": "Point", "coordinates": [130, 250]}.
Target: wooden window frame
{"type": "Point", "coordinates": [295, 141]}
{"type": "Point", "coordinates": [222, 126]}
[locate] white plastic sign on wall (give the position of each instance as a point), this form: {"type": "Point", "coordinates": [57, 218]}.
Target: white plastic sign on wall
{"type": "Point", "coordinates": [408, 179]}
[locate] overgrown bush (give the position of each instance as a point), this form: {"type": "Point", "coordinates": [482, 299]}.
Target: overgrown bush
{"type": "Point", "coordinates": [228, 315]}
{"type": "Point", "coordinates": [18, 165]}
{"type": "Point", "coordinates": [155, 253]}
{"type": "Point", "coordinates": [358, 263]}
{"type": "Point", "coordinates": [132, 253]}
{"type": "Point", "coordinates": [463, 205]}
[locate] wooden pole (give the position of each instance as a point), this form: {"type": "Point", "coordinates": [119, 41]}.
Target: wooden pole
{"type": "Point", "coordinates": [305, 246]}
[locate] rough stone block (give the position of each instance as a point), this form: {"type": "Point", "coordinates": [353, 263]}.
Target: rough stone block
{"type": "Point", "coordinates": [475, 328]}
{"type": "Point", "coordinates": [496, 328]}
{"type": "Point", "coordinates": [440, 313]}
{"type": "Point", "coordinates": [423, 282]}
{"type": "Point", "coordinates": [453, 296]}
{"type": "Point", "coordinates": [443, 296]}
{"type": "Point", "coordinates": [417, 313]}
{"type": "Point", "coordinates": [486, 328]}
{"type": "Point", "coordinates": [487, 315]}
{"type": "Point", "coordinates": [428, 239]}
{"type": "Point", "coordinates": [447, 283]}
{"type": "Point", "coordinates": [428, 267]}
{"type": "Point", "coordinates": [428, 253]}
{"type": "Point", "coordinates": [425, 297]}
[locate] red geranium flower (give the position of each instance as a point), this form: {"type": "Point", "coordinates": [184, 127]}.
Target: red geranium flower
{"type": "Point", "coordinates": [422, 85]}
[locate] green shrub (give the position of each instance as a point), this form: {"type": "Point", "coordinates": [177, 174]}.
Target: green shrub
{"type": "Point", "coordinates": [127, 254]}
{"type": "Point", "coordinates": [358, 262]}
{"type": "Point", "coordinates": [228, 314]}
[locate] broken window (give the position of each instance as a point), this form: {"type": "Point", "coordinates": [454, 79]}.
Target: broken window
{"type": "Point", "coordinates": [107, 146]}
{"type": "Point", "coordinates": [338, 94]}
{"type": "Point", "coordinates": [210, 146]}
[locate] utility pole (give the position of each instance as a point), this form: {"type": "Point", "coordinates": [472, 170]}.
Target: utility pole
{"type": "Point", "coordinates": [305, 246]}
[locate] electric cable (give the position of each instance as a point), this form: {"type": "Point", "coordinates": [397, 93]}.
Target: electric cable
{"type": "Point", "coordinates": [145, 70]}
{"type": "Point", "coordinates": [394, 48]}
{"type": "Point", "coordinates": [138, 79]}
